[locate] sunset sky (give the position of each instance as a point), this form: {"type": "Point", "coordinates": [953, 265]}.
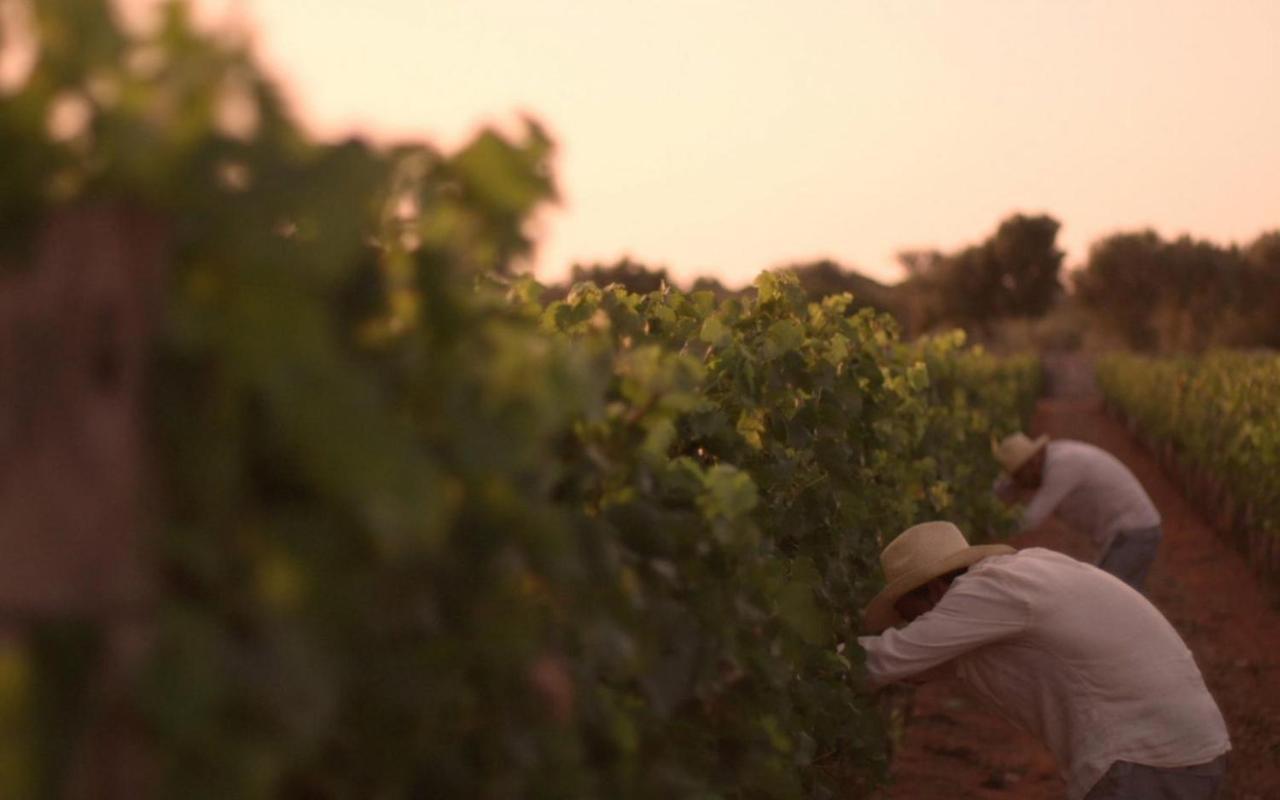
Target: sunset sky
{"type": "Point", "coordinates": [727, 136]}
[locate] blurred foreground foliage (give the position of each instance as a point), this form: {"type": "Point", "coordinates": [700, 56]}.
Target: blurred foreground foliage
{"type": "Point", "coordinates": [419, 534]}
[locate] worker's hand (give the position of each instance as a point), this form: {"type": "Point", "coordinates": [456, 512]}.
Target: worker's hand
{"type": "Point", "coordinates": [1006, 490]}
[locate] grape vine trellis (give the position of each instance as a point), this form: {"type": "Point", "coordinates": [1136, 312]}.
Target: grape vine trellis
{"type": "Point", "coordinates": [1214, 418]}
{"type": "Point", "coordinates": [419, 534]}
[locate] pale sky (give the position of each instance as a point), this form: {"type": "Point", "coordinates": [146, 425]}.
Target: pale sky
{"type": "Point", "coordinates": [728, 136]}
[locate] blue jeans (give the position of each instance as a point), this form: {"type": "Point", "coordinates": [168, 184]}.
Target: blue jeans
{"type": "Point", "coordinates": [1128, 781]}
{"type": "Point", "coordinates": [1130, 555]}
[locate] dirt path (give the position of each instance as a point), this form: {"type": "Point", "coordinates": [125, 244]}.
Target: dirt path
{"type": "Point", "coordinates": [955, 749]}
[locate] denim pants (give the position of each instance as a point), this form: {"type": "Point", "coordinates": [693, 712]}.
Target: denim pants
{"type": "Point", "coordinates": [1130, 555]}
{"type": "Point", "coordinates": [1128, 781]}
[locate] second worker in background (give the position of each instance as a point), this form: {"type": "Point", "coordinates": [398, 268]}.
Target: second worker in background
{"type": "Point", "coordinates": [1090, 490]}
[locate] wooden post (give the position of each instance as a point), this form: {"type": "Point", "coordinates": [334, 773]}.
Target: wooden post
{"type": "Point", "coordinates": [75, 328]}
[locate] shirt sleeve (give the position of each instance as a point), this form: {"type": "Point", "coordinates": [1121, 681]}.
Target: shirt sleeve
{"type": "Point", "coordinates": [977, 610]}
{"type": "Point", "coordinates": [1057, 484]}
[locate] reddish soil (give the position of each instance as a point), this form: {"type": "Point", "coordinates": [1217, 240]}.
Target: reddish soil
{"type": "Point", "coordinates": [953, 748]}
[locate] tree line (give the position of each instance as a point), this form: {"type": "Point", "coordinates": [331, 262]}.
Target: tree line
{"type": "Point", "coordinates": [1138, 289]}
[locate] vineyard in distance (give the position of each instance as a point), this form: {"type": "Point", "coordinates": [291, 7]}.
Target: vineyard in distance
{"type": "Point", "coordinates": [410, 524]}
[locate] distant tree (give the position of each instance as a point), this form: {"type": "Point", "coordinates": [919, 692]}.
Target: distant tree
{"type": "Point", "coordinates": [920, 298]}
{"type": "Point", "coordinates": [1206, 298]}
{"type": "Point", "coordinates": [706, 283]}
{"type": "Point", "coordinates": [1013, 273]}
{"type": "Point", "coordinates": [918, 263]}
{"type": "Point", "coordinates": [1120, 280]}
{"type": "Point", "coordinates": [1026, 260]}
{"type": "Point", "coordinates": [1185, 294]}
{"type": "Point", "coordinates": [1262, 300]}
{"type": "Point", "coordinates": [826, 277]}
{"type": "Point", "coordinates": [636, 277]}
{"type": "Point", "coordinates": [1264, 252]}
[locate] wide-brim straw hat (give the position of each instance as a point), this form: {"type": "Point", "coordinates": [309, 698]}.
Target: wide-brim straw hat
{"type": "Point", "coordinates": [920, 554]}
{"type": "Point", "coordinates": [1016, 450]}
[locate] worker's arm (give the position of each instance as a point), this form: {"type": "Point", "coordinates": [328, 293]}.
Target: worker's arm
{"type": "Point", "coordinates": [976, 611]}
{"type": "Point", "coordinates": [1054, 488]}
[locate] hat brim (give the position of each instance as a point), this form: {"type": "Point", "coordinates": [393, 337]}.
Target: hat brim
{"type": "Point", "coordinates": [880, 612]}
{"type": "Point", "coordinates": [1037, 445]}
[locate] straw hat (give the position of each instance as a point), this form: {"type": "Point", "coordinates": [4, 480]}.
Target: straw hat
{"type": "Point", "coordinates": [920, 554]}
{"type": "Point", "coordinates": [1016, 450]}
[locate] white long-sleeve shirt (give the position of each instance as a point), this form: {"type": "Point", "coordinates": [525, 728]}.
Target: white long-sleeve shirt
{"type": "Point", "coordinates": [1091, 491]}
{"type": "Point", "coordinates": [1070, 653]}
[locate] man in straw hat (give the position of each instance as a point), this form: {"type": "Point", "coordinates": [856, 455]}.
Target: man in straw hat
{"type": "Point", "coordinates": [1091, 491]}
{"type": "Point", "coordinates": [1061, 648]}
